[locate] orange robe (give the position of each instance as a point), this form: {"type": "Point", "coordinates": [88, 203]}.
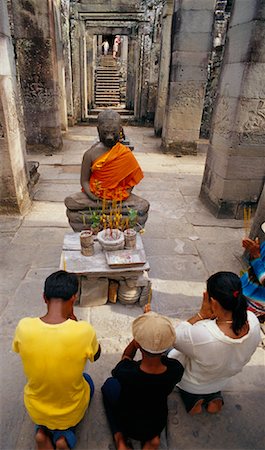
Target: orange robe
{"type": "Point", "coordinates": [114, 172]}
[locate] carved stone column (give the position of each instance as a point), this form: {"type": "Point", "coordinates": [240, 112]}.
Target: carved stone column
{"type": "Point", "coordinates": [38, 72]}
{"type": "Point", "coordinates": [235, 165]}
{"type": "Point", "coordinates": [164, 65]}
{"type": "Point", "coordinates": [191, 44]}
{"type": "Point", "coordinates": [133, 62]}
{"type": "Point", "coordinates": [76, 71]}
{"type": "Point", "coordinates": [14, 195]}
{"type": "Point", "coordinates": [91, 46]}
{"type": "Point", "coordinates": [65, 23]}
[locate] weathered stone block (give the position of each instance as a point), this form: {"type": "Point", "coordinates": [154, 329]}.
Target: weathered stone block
{"type": "Point", "coordinates": [198, 4]}
{"type": "Point", "coordinates": [251, 121]}
{"type": "Point", "coordinates": [190, 58]}
{"type": "Point", "coordinates": [187, 94]}
{"type": "Point", "coordinates": [188, 136]}
{"type": "Point", "coordinates": [244, 11]}
{"type": "Point", "coordinates": [231, 79]}
{"type": "Point", "coordinates": [182, 119]}
{"type": "Point", "coordinates": [197, 42]}
{"type": "Point", "coordinates": [196, 21]}
{"type": "Point", "coordinates": [245, 167]}
{"type": "Point", "coordinates": [188, 73]}
{"type": "Point", "coordinates": [246, 43]}
{"type": "Point", "coordinates": [93, 291]}
{"type": "Point", "coordinates": [254, 81]}
{"type": "Point", "coordinates": [225, 115]}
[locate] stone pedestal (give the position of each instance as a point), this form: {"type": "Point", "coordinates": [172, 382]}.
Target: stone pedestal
{"type": "Point", "coordinates": [191, 44]}
{"type": "Point", "coordinates": [14, 176]}
{"type": "Point", "coordinates": [34, 32]}
{"type": "Point", "coordinates": [235, 166]}
{"type": "Point", "coordinates": [95, 275]}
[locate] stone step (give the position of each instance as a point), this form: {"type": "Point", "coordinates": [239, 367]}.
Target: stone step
{"type": "Point", "coordinates": [125, 120]}
{"type": "Point", "coordinates": [107, 77]}
{"type": "Point", "coordinates": [104, 100]}
{"type": "Point", "coordinates": [121, 111]}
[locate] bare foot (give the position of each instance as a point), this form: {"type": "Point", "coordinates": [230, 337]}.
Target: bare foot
{"type": "Point", "coordinates": [43, 441]}
{"type": "Point", "coordinates": [215, 406]}
{"type": "Point", "coordinates": [197, 408]}
{"type": "Point", "coordinates": [153, 444]}
{"type": "Point", "coordinates": [61, 444]}
{"type": "Point", "coordinates": [120, 441]}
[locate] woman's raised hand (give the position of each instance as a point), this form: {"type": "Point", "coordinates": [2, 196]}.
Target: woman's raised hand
{"type": "Point", "coordinates": [206, 309]}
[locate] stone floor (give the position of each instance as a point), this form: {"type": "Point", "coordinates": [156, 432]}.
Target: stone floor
{"type": "Point", "coordinates": [184, 244]}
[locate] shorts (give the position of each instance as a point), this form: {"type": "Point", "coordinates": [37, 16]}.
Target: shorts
{"type": "Point", "coordinates": [69, 433]}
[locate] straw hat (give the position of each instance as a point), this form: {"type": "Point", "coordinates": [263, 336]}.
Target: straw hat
{"type": "Point", "coordinates": [153, 332]}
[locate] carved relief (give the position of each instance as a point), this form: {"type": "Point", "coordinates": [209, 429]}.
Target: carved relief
{"type": "Point", "coordinates": [224, 116]}
{"type": "Point", "coordinates": [253, 128]}
{"type": "Point", "coordinates": [187, 94]}
{"type": "Point", "coordinates": [39, 94]}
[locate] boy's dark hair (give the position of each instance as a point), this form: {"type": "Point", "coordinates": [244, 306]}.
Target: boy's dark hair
{"type": "Point", "coordinates": [61, 284]}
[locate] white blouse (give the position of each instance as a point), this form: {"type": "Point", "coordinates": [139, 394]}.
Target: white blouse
{"type": "Point", "coordinates": [209, 356]}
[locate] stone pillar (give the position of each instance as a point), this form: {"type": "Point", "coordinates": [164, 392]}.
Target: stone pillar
{"type": "Point", "coordinates": [164, 65]}
{"type": "Point", "coordinates": [65, 23]}
{"type": "Point", "coordinates": [124, 48]}
{"type": "Point", "coordinates": [133, 63]}
{"type": "Point", "coordinates": [38, 73]}
{"type": "Point", "coordinates": [191, 45]}
{"type": "Point", "coordinates": [83, 59]}
{"type": "Point", "coordinates": [58, 22]}
{"type": "Point", "coordinates": [91, 46]}
{"type": "Point", "coordinates": [235, 165]}
{"type": "Point", "coordinates": [75, 46]}
{"type": "Point", "coordinates": [14, 195]}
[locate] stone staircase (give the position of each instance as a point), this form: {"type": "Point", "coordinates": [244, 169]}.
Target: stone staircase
{"type": "Point", "coordinates": [107, 83]}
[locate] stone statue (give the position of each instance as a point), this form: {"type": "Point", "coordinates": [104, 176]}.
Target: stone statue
{"type": "Point", "coordinates": [109, 172]}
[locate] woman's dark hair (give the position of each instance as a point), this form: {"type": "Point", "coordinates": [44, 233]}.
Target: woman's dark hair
{"type": "Point", "coordinates": [61, 284]}
{"type": "Point", "coordinates": [226, 289]}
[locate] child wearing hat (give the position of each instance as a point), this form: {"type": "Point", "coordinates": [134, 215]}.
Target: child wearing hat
{"type": "Point", "coordinates": [135, 397]}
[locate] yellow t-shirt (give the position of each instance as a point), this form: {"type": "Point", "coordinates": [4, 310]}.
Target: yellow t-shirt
{"type": "Point", "coordinates": [54, 356]}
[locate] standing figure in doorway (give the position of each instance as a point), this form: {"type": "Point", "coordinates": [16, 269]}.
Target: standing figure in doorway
{"type": "Point", "coordinates": [105, 46]}
{"type": "Point", "coordinates": [116, 44]}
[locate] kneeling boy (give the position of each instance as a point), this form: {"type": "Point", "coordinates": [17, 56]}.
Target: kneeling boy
{"type": "Point", "coordinates": [135, 398]}
{"type": "Point", "coordinates": [54, 350]}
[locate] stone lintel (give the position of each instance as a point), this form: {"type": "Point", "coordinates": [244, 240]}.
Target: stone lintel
{"type": "Point", "coordinates": [179, 148]}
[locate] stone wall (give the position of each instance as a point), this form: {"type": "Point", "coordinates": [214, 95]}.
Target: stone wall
{"type": "Point", "coordinates": [14, 177]}
{"type": "Point", "coordinates": [235, 166]}
{"type": "Point", "coordinates": [37, 62]}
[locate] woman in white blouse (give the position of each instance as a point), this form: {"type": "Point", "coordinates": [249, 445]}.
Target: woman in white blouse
{"type": "Point", "coordinates": [215, 344]}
